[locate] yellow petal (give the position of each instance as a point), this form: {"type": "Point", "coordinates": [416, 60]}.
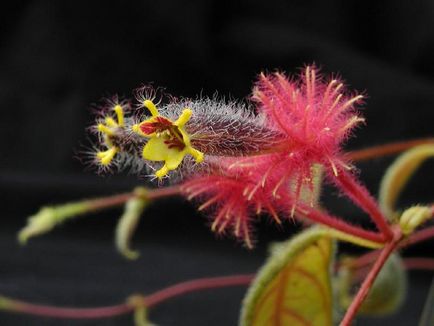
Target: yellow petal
{"type": "Point", "coordinates": [185, 137]}
{"type": "Point", "coordinates": [107, 156]}
{"type": "Point", "coordinates": [105, 130]}
{"type": "Point", "coordinates": [162, 172]}
{"type": "Point", "coordinates": [183, 118]}
{"type": "Point", "coordinates": [110, 122]}
{"type": "Point", "coordinates": [175, 159]}
{"type": "Point", "coordinates": [151, 107]}
{"type": "Point", "coordinates": [156, 150]}
{"type": "Point", "coordinates": [119, 114]}
{"type": "Point", "coordinates": [198, 156]}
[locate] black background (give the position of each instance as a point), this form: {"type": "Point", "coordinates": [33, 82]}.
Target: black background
{"type": "Point", "coordinates": [56, 58]}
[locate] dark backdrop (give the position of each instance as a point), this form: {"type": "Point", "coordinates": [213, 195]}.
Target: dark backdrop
{"type": "Point", "coordinates": [58, 57]}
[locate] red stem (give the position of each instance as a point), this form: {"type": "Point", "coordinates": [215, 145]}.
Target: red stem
{"type": "Point", "coordinates": [387, 149]}
{"type": "Point", "coordinates": [195, 285]}
{"type": "Point", "coordinates": [370, 278]}
{"type": "Point", "coordinates": [361, 197]}
{"type": "Point", "coordinates": [70, 313]}
{"type": "Point", "coordinates": [125, 308]}
{"type": "Point", "coordinates": [419, 263]}
{"type": "Point", "coordinates": [115, 200]}
{"type": "Point", "coordinates": [419, 236]}
{"type": "Point", "coordinates": [338, 224]}
{"type": "Point", "coordinates": [164, 192]}
{"type": "Point", "coordinates": [364, 260]}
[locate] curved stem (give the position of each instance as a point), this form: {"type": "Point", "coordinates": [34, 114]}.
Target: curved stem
{"type": "Point", "coordinates": [419, 236]}
{"type": "Point", "coordinates": [387, 149]}
{"type": "Point", "coordinates": [153, 299]}
{"type": "Point", "coordinates": [18, 306]}
{"type": "Point", "coordinates": [195, 285]}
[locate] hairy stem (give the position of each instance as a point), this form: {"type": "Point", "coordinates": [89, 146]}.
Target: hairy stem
{"type": "Point", "coordinates": [338, 224]}
{"type": "Point", "coordinates": [361, 197]}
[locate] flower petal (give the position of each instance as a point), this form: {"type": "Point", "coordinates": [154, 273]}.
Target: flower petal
{"type": "Point", "coordinates": [175, 158]}
{"type": "Point", "coordinates": [156, 150]}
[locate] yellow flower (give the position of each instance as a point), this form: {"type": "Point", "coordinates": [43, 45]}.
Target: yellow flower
{"type": "Point", "coordinates": [169, 142]}
{"type": "Point", "coordinates": [108, 130]}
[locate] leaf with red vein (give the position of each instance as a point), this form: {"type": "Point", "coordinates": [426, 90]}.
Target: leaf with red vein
{"type": "Point", "coordinates": [294, 286]}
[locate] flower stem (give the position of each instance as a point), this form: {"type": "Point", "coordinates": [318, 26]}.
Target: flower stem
{"type": "Point", "coordinates": [196, 285]}
{"type": "Point", "coordinates": [51, 216]}
{"type": "Point", "coordinates": [153, 299]}
{"type": "Point", "coordinates": [387, 149]}
{"type": "Point", "coordinates": [111, 201]}
{"type": "Point", "coordinates": [420, 263]}
{"type": "Point", "coordinates": [370, 278]}
{"type": "Point", "coordinates": [365, 259]}
{"type": "Point", "coordinates": [163, 192]}
{"type": "Point", "coordinates": [338, 224]}
{"type": "Point", "coordinates": [361, 197]}
{"type": "Point", "coordinates": [116, 200]}
{"type": "Point", "coordinates": [12, 305]}
{"type": "Point", "coordinates": [419, 236]}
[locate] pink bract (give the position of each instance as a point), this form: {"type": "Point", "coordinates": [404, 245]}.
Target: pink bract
{"type": "Point", "coordinates": [315, 117]}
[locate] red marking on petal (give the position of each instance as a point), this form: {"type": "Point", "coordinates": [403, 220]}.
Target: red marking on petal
{"type": "Point", "coordinates": [147, 128]}
{"type": "Point", "coordinates": [174, 142]}
{"type": "Point", "coordinates": [159, 124]}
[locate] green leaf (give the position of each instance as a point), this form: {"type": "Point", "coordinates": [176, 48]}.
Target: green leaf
{"type": "Point", "coordinates": [294, 286]}
{"type": "Point", "coordinates": [387, 293]}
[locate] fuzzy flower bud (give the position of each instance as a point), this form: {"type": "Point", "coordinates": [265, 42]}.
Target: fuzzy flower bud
{"type": "Point", "coordinates": [180, 135]}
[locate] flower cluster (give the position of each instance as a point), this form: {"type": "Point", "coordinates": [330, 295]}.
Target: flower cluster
{"type": "Point", "coordinates": [240, 161]}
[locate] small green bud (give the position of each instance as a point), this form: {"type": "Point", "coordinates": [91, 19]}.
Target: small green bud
{"type": "Point", "coordinates": [414, 217]}
{"type": "Point", "coordinates": [48, 217]}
